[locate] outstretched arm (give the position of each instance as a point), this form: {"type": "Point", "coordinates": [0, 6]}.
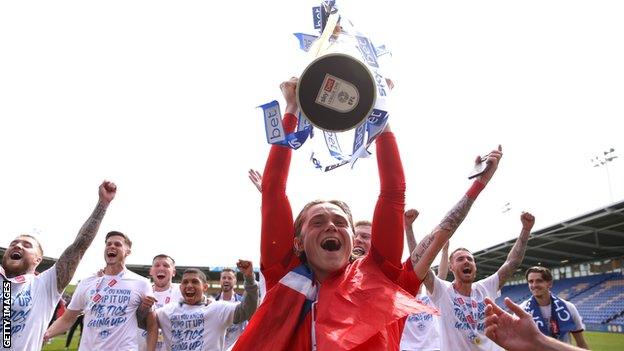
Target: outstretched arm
{"type": "Point", "coordinates": [62, 324]}
{"type": "Point", "coordinates": [429, 247]}
{"type": "Point", "coordinates": [427, 250]}
{"type": "Point", "coordinates": [518, 332]}
{"type": "Point", "coordinates": [515, 256]}
{"type": "Point", "coordinates": [387, 229]}
{"type": "Point", "coordinates": [67, 263]}
{"type": "Point", "coordinates": [277, 220]}
{"type": "Point", "coordinates": [247, 307]}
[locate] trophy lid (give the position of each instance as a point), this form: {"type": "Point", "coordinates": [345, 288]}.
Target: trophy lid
{"type": "Point", "coordinates": [336, 92]}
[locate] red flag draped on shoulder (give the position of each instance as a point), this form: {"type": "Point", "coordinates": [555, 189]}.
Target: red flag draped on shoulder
{"type": "Point", "coordinates": [353, 312]}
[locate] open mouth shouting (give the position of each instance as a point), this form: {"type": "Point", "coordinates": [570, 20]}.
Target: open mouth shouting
{"type": "Point", "coordinates": [16, 255]}
{"type": "Point", "coordinates": [359, 251]}
{"type": "Point", "coordinates": [192, 295]}
{"type": "Point", "coordinates": [331, 244]}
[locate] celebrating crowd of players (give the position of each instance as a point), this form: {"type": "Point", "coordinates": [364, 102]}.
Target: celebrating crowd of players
{"type": "Point", "coordinates": [331, 284]}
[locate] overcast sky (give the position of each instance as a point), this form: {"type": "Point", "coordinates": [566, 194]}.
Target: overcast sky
{"type": "Point", "coordinates": [160, 97]}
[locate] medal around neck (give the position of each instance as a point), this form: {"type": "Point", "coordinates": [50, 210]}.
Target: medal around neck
{"type": "Point", "coordinates": [336, 92]}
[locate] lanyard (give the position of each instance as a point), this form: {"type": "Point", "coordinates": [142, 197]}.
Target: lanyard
{"type": "Point", "coordinates": [97, 296]}
{"type": "Point", "coordinates": [20, 279]}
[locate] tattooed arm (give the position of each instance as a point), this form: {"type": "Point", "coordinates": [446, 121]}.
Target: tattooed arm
{"type": "Point", "coordinates": [67, 263]}
{"type": "Point", "coordinates": [410, 216]}
{"type": "Point", "coordinates": [515, 256]}
{"type": "Point", "coordinates": [428, 249]}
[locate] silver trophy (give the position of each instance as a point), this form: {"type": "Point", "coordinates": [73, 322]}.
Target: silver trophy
{"type": "Point", "coordinates": [337, 91]}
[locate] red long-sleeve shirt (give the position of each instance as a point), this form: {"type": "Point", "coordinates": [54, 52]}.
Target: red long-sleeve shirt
{"type": "Point", "coordinates": [278, 258]}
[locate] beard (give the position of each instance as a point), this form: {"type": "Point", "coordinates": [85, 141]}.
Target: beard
{"type": "Point", "coordinates": [13, 268]}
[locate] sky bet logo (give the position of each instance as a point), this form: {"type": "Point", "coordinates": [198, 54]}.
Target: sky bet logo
{"type": "Point", "coordinates": [6, 314]}
{"type": "Point", "coordinates": [330, 84]}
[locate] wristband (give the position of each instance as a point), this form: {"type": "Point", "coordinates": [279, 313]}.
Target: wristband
{"type": "Point", "coordinates": [475, 189]}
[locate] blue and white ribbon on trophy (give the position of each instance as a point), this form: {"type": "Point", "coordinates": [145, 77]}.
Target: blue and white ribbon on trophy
{"type": "Point", "coordinates": [275, 130]}
{"type": "Point", "coordinates": [365, 132]}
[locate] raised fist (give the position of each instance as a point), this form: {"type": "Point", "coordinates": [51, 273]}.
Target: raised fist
{"type": "Point", "coordinates": [410, 216]}
{"type": "Point", "coordinates": [107, 191]}
{"type": "Point", "coordinates": [245, 267]}
{"type": "Point", "coordinates": [289, 89]}
{"type": "Point", "coordinates": [528, 220]}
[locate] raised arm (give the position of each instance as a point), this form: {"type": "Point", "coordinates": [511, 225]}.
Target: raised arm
{"type": "Point", "coordinates": [387, 229]}
{"type": "Point", "coordinates": [247, 307]}
{"type": "Point", "coordinates": [429, 247]}
{"type": "Point", "coordinates": [277, 219]}
{"type": "Point", "coordinates": [515, 256]}
{"type": "Point", "coordinates": [443, 268]}
{"type": "Point", "coordinates": [67, 263]}
{"type": "Point", "coordinates": [409, 217]}
{"type": "Point", "coordinates": [256, 179]}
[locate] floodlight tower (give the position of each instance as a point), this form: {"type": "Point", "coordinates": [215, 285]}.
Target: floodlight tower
{"type": "Point", "coordinates": [603, 160]}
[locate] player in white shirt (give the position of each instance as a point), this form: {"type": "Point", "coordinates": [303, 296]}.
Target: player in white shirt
{"type": "Point", "coordinates": [165, 291]}
{"type": "Point", "coordinates": [195, 323]}
{"type": "Point", "coordinates": [462, 302]}
{"type": "Point", "coordinates": [423, 255]}
{"type": "Point", "coordinates": [110, 302]}
{"type": "Point", "coordinates": [228, 282]}
{"type": "Point", "coordinates": [34, 297]}
{"type": "Point", "coordinates": [554, 316]}
{"type": "Point", "coordinates": [421, 330]}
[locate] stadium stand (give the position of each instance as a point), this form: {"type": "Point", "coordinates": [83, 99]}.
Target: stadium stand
{"type": "Point", "coordinates": [585, 254]}
{"type": "Point", "coordinates": [598, 298]}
